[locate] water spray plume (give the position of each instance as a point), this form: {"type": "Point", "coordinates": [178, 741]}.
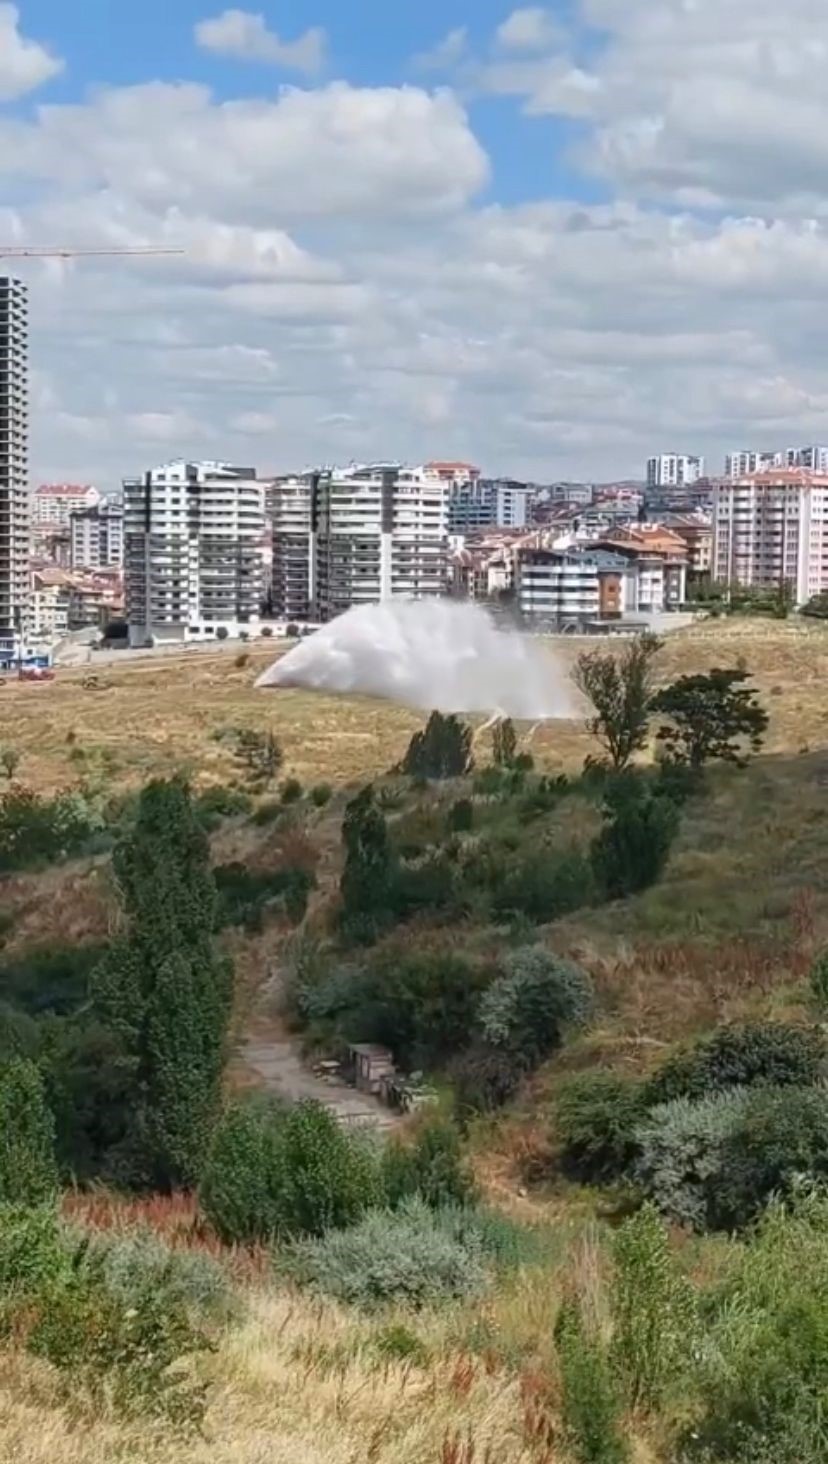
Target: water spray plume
{"type": "Point", "coordinates": [429, 655]}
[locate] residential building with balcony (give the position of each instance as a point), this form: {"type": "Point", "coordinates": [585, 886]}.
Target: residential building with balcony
{"type": "Point", "coordinates": [97, 537]}
{"type": "Point", "coordinates": [674, 470]}
{"type": "Point", "coordinates": [193, 552]}
{"type": "Point", "coordinates": [770, 532]}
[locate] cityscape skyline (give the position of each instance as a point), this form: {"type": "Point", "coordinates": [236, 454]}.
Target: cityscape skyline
{"type": "Point", "coordinates": [540, 236]}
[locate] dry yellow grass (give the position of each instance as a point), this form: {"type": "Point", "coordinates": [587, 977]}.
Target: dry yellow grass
{"type": "Point", "coordinates": [157, 715]}
{"type": "Point", "coordinates": [301, 1382]}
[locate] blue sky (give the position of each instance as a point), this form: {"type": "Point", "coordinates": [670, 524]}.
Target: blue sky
{"type": "Point", "coordinates": [371, 43]}
{"type": "Point", "coordinates": [596, 230]}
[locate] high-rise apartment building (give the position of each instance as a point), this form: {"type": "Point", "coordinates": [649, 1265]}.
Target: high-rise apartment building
{"type": "Point", "coordinates": [358, 536]}
{"type": "Point", "coordinates": [674, 470]}
{"type": "Point", "coordinates": [770, 531]}
{"type": "Point", "coordinates": [15, 512]}
{"type": "Point", "coordinates": [97, 537]}
{"type": "Point", "coordinates": [193, 552]}
{"type": "Point", "coordinates": [488, 503]}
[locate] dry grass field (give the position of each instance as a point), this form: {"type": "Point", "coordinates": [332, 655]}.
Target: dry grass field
{"type": "Point", "coordinates": [151, 717]}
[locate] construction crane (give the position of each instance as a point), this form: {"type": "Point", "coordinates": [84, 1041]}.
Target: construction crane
{"type": "Point", "coordinates": [15, 252]}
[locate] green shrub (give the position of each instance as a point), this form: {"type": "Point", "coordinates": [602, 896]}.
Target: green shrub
{"type": "Point", "coordinates": [591, 1411]}
{"type": "Point", "coordinates": [268, 812]}
{"type": "Point", "coordinates": [596, 1118]}
{"type": "Point", "coordinates": [442, 750]}
{"type": "Point", "coordinates": [397, 1343]}
{"type": "Point", "coordinates": [366, 881]}
{"type": "Point", "coordinates": [37, 830]}
{"type": "Point", "coordinates": [739, 1057]}
{"type": "Point", "coordinates": [28, 1170]}
{"type": "Point", "coordinates": [421, 1005]}
{"type": "Point", "coordinates": [819, 981]}
{"type": "Point", "coordinates": [240, 1191]}
{"type": "Point", "coordinates": [276, 1171]}
{"type": "Point", "coordinates": [131, 1263]}
{"type": "Point", "coordinates": [542, 886]}
{"type": "Point", "coordinates": [681, 1154]}
{"type": "Point", "coordinates": [428, 885]}
{"type": "Point", "coordinates": [245, 894]}
{"type": "Point", "coordinates": [528, 1009]}
{"type": "Point", "coordinates": [432, 1167]}
{"type": "Point", "coordinates": [782, 1139]}
{"type": "Point", "coordinates": [20, 1035]}
{"type": "Point", "coordinates": [321, 795]}
{"type": "Point", "coordinates": [653, 1310]}
{"type": "Point", "coordinates": [34, 1256]}
{"type": "Point", "coordinates": [51, 977]}
{"type": "Point", "coordinates": [291, 791]}
{"type": "Point", "coordinates": [217, 803]}
{"type": "Point", "coordinates": [484, 1079]}
{"type": "Point", "coordinates": [632, 849]}
{"type": "Point", "coordinates": [762, 1373]}
{"type": "Point", "coordinates": [90, 1086]}
{"type": "Point", "coordinates": [405, 1257]}
{"type": "Point", "coordinates": [461, 816]}
{"type": "Point", "coordinates": [127, 1355]}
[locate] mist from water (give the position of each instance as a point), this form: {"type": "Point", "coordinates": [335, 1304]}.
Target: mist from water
{"type": "Point", "coordinates": [438, 655]}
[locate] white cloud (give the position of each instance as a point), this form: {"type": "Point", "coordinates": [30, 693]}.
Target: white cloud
{"type": "Point", "coordinates": [335, 150]}
{"type": "Point", "coordinates": [344, 292]}
{"type": "Point", "coordinates": [245, 37]}
{"type": "Point", "coordinates": [712, 103]}
{"type": "Point", "coordinates": [529, 29]}
{"type": "Point", "coordinates": [447, 52]}
{"type": "Point", "coordinates": [24, 64]}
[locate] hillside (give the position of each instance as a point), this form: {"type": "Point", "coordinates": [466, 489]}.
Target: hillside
{"type": "Point", "coordinates": [728, 933]}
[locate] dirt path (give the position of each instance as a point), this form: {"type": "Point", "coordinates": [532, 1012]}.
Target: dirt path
{"type": "Point", "coordinates": [271, 1058]}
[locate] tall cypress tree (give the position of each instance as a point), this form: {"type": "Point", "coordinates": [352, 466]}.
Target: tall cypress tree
{"type": "Point", "coordinates": [164, 988]}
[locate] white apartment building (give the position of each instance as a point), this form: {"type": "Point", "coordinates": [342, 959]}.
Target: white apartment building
{"type": "Point", "coordinates": [771, 530]}
{"type": "Point", "coordinates": [54, 503]}
{"type": "Point", "coordinates": [744, 464]}
{"type": "Point", "coordinates": [565, 590]}
{"type": "Point", "coordinates": [674, 470]}
{"type": "Point", "coordinates": [193, 552]}
{"type": "Point", "coordinates": [15, 506]}
{"type": "Point", "coordinates": [489, 503]}
{"type": "Point", "coordinates": [371, 533]}
{"type": "Point", "coordinates": [96, 537]}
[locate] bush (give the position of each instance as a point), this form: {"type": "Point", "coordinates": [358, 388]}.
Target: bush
{"type": "Point", "coordinates": [244, 894]}
{"type": "Point", "coordinates": [819, 981]}
{"type": "Point", "coordinates": [632, 849]}
{"type": "Point", "coordinates": [215, 804]}
{"type": "Point", "coordinates": [291, 791]}
{"type": "Point", "coordinates": [443, 750]}
{"type": "Point", "coordinates": [240, 1191]}
{"type": "Point", "coordinates": [406, 1257]}
{"type": "Point", "coordinates": [653, 1310]}
{"type": "Point", "coordinates": [125, 1354]}
{"type": "Point", "coordinates": [763, 1374]}
{"type": "Point", "coordinates": [285, 1172]}
{"type": "Point", "coordinates": [461, 816]}
{"type": "Point", "coordinates": [138, 1261]}
{"type": "Point", "coordinates": [321, 794]}
{"type": "Point", "coordinates": [681, 1147]}
{"type": "Point", "coordinates": [782, 1139]}
{"type": "Point", "coordinates": [42, 830]}
{"type": "Point", "coordinates": [528, 1009]}
{"type": "Point", "coordinates": [773, 1053]}
{"type": "Point", "coordinates": [591, 1411]}
{"type": "Point", "coordinates": [33, 1257]}
{"type": "Point", "coordinates": [421, 1005]}
{"type": "Point", "coordinates": [50, 977]}
{"type": "Point", "coordinates": [428, 885]}
{"type": "Point", "coordinates": [596, 1118]}
{"type": "Point", "coordinates": [432, 1168]}
{"type": "Point", "coordinates": [28, 1171]}
{"type": "Point", "coordinates": [542, 887]}
{"type": "Point", "coordinates": [484, 1079]}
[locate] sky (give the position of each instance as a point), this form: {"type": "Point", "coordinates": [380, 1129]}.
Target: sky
{"type": "Point", "coordinates": [550, 240]}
